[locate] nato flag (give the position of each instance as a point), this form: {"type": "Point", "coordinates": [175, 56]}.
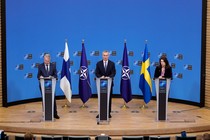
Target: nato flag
{"type": "Point", "coordinates": [125, 84]}
{"type": "Point", "coordinates": [84, 80]}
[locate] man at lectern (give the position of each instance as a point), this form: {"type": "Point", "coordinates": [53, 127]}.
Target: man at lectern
{"type": "Point", "coordinates": [164, 70]}
{"type": "Point", "coordinates": [48, 69]}
{"type": "Point", "coordinates": [106, 68]}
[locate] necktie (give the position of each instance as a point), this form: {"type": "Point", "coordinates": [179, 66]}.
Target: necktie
{"type": "Point", "coordinates": [47, 68]}
{"type": "Point", "coordinates": [105, 65]}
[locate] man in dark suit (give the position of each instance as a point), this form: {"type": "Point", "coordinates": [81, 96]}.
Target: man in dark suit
{"type": "Point", "coordinates": [106, 68]}
{"type": "Point", "coordinates": [48, 69]}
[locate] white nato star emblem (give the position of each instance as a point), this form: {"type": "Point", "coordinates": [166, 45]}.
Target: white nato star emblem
{"type": "Point", "coordinates": [83, 73]}
{"type": "Point", "coordinates": [125, 73]}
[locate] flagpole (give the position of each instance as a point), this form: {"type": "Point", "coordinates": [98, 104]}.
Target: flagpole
{"type": "Point", "coordinates": [125, 85]}
{"type": "Point", "coordinates": [146, 42]}
{"type": "Point", "coordinates": [144, 106]}
{"type": "Point", "coordinates": [63, 85]}
{"type": "Point", "coordinates": [84, 63]}
{"type": "Point", "coordinates": [66, 101]}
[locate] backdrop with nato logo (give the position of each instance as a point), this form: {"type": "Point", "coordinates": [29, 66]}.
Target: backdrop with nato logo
{"type": "Point", "coordinates": [172, 28]}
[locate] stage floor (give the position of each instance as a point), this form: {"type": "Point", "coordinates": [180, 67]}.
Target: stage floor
{"type": "Point", "coordinates": [82, 121]}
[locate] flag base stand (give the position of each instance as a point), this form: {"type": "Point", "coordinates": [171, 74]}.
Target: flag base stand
{"type": "Point", "coordinates": [66, 106]}
{"type": "Point", "coordinates": [83, 106]}
{"type": "Point", "coordinates": [124, 106]}
{"type": "Point", "coordinates": [144, 107]}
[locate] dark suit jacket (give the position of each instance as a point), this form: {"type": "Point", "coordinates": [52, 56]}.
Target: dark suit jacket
{"type": "Point", "coordinates": [168, 72]}
{"type": "Point", "coordinates": [110, 70]}
{"type": "Point", "coordinates": [43, 72]}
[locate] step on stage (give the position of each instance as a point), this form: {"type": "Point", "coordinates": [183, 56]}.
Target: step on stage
{"type": "Point", "coordinates": [82, 121]}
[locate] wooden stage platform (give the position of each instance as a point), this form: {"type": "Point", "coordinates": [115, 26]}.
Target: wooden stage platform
{"type": "Point", "coordinates": [131, 121]}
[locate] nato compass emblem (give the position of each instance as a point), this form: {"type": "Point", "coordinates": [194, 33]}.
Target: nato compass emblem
{"type": "Point", "coordinates": [83, 73]}
{"type": "Point", "coordinates": [125, 73]}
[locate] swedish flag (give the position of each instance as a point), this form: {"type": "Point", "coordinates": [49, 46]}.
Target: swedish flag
{"type": "Point", "coordinates": [145, 82]}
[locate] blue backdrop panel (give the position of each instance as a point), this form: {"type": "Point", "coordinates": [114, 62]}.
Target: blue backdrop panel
{"type": "Point", "coordinates": [171, 27]}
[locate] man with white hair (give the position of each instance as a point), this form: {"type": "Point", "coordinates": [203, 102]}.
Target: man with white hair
{"type": "Point", "coordinates": [47, 69]}
{"type": "Point", "coordinates": [104, 69]}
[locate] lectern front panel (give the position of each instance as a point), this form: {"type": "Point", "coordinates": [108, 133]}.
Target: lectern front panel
{"type": "Point", "coordinates": [103, 99]}
{"type": "Point", "coordinates": [48, 99]}
{"type": "Point", "coordinates": [162, 99]}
